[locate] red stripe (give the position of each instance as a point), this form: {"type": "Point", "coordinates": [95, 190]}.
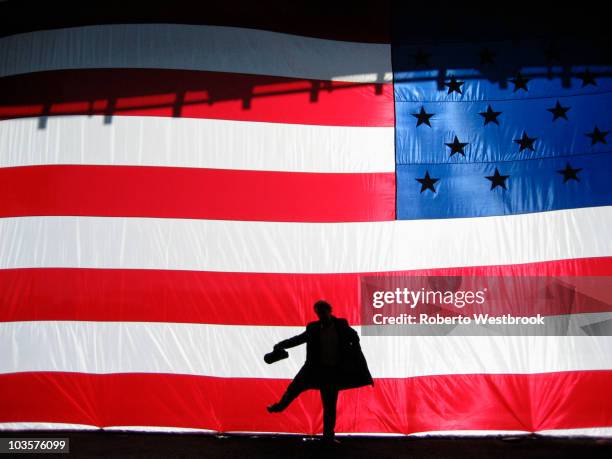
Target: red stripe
{"type": "Point", "coordinates": [216, 194]}
{"type": "Point", "coordinates": [564, 400]}
{"type": "Point", "coordinates": [217, 297]}
{"type": "Point", "coordinates": [196, 94]}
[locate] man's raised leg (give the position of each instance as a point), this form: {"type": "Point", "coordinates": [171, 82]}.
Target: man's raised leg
{"type": "Point", "coordinates": [295, 388]}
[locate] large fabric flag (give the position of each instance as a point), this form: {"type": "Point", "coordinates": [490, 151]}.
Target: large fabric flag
{"type": "Point", "coordinates": [174, 198]}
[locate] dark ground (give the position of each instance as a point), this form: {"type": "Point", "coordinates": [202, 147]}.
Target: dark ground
{"type": "Point", "coordinates": [113, 444]}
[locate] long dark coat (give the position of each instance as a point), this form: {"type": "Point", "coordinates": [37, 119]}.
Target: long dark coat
{"type": "Point", "coordinates": [352, 368]}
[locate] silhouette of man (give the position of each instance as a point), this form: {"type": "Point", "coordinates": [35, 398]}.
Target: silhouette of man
{"type": "Point", "coordinates": [334, 362]}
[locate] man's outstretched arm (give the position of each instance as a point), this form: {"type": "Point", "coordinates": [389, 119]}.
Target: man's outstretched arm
{"type": "Point", "coordinates": [292, 342]}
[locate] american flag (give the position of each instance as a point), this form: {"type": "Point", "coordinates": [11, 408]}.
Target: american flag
{"type": "Point", "coordinates": [176, 197]}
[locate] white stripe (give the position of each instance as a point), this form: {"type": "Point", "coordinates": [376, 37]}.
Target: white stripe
{"type": "Point", "coordinates": [237, 351]}
{"type": "Point", "coordinates": [186, 142]}
{"type": "Point", "coordinates": [470, 433]}
{"type": "Point", "coordinates": [157, 429]}
{"type": "Point", "coordinates": [68, 426]}
{"type": "Point", "coordinates": [582, 432]}
{"type": "Point", "coordinates": [192, 47]}
{"type": "Point", "coordinates": [243, 246]}
{"type": "Point", "coordinates": [45, 426]}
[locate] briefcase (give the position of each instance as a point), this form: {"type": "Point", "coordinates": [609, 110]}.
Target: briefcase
{"type": "Point", "coordinates": [275, 356]}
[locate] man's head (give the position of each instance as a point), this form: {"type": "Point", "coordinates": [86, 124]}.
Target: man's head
{"type": "Point", "coordinates": [323, 310]}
